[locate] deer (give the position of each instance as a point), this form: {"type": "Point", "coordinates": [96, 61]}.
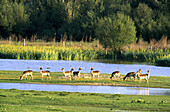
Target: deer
{"type": "Point", "coordinates": [94, 73]}
{"type": "Point", "coordinates": [68, 73]}
{"type": "Point", "coordinates": [45, 73]}
{"type": "Point", "coordinates": [115, 74]}
{"type": "Point", "coordinates": [77, 73]}
{"type": "Point", "coordinates": [131, 74]}
{"type": "Point", "coordinates": [143, 76]}
{"type": "Point", "coordinates": [27, 73]}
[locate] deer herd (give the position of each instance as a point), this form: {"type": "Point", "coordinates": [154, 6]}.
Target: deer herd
{"type": "Point", "coordinates": [76, 74]}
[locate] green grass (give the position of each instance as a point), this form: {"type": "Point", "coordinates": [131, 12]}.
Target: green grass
{"type": "Point", "coordinates": [57, 78]}
{"type": "Point", "coordinates": [42, 101]}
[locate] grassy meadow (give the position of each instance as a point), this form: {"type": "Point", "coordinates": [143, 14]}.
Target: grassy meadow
{"type": "Point", "coordinates": [43, 101]}
{"type": "Point", "coordinates": [14, 100]}
{"type": "Point", "coordinates": [57, 78]}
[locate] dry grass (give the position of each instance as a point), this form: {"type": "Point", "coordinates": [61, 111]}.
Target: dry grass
{"type": "Point", "coordinates": [95, 44]}
{"type": "Point", "coordinates": [163, 43]}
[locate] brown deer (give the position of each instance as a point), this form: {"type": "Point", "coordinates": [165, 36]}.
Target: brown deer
{"type": "Point", "coordinates": [26, 74]}
{"type": "Point", "coordinates": [45, 73]}
{"type": "Point", "coordinates": [115, 74]}
{"type": "Point", "coordinates": [131, 74]}
{"type": "Point", "coordinates": [94, 73]}
{"type": "Point", "coordinates": [143, 76]}
{"type": "Point", "coordinates": [68, 73]}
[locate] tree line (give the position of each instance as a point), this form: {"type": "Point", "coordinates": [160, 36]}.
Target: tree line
{"type": "Point", "coordinates": [86, 19]}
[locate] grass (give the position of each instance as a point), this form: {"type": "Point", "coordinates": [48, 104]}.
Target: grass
{"type": "Point", "coordinates": [43, 101]}
{"type": "Point", "coordinates": [57, 78]}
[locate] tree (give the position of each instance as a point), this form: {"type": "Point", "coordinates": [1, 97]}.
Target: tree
{"type": "Point", "coordinates": [21, 18]}
{"type": "Point", "coordinates": [116, 31]}
{"type": "Point", "coordinates": [13, 18]}
{"type": "Point", "coordinates": [47, 16]}
{"type": "Point", "coordinates": [143, 17]}
{"type": "Point", "coordinates": [114, 6]}
{"type": "Point", "coordinates": [6, 17]}
{"type": "Point", "coordinates": [84, 14]}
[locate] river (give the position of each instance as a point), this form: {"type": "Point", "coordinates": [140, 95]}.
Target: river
{"type": "Point", "coordinates": [87, 89]}
{"type": "Point", "coordinates": [57, 65]}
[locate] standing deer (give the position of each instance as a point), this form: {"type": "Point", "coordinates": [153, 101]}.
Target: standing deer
{"type": "Point", "coordinates": [143, 76]}
{"type": "Point", "coordinates": [68, 73]}
{"type": "Point", "coordinates": [115, 74]}
{"type": "Point", "coordinates": [26, 74]}
{"type": "Point", "coordinates": [45, 73]}
{"type": "Point", "coordinates": [77, 73]}
{"type": "Point", "coordinates": [94, 73]}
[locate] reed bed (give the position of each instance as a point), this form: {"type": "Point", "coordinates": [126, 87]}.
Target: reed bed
{"type": "Point", "coordinates": [146, 55]}
{"type": "Point", "coordinates": [165, 61]}
{"type": "Point", "coordinates": [158, 56]}
{"type": "Point", "coordinates": [46, 53]}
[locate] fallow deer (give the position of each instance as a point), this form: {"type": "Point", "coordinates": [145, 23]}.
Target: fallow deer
{"type": "Point", "coordinates": [143, 76]}
{"type": "Point", "coordinates": [45, 73]}
{"type": "Point", "coordinates": [77, 73]}
{"type": "Point", "coordinates": [131, 74]}
{"type": "Point", "coordinates": [115, 74]}
{"type": "Point", "coordinates": [26, 74]}
{"type": "Point", "coordinates": [68, 73]}
{"type": "Point", "coordinates": [94, 73]}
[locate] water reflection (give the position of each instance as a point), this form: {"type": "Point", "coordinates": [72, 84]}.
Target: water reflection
{"type": "Point", "coordinates": [87, 89]}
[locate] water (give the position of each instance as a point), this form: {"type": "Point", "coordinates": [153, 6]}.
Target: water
{"type": "Point", "coordinates": [87, 89]}
{"type": "Point", "coordinates": [57, 65]}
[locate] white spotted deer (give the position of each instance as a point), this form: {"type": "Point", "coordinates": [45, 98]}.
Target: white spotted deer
{"type": "Point", "coordinates": [68, 73]}
{"type": "Point", "coordinates": [45, 73]}
{"type": "Point", "coordinates": [115, 74]}
{"type": "Point", "coordinates": [94, 73]}
{"type": "Point", "coordinates": [143, 76]}
{"type": "Point", "coordinates": [26, 74]}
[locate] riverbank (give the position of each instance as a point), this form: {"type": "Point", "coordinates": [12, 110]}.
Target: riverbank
{"type": "Point", "coordinates": [57, 78]}
{"type": "Point", "coordinates": [83, 53]}
{"type": "Point", "coordinates": [43, 101]}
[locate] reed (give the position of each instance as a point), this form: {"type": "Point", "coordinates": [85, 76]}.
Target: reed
{"type": "Point", "coordinates": [165, 61]}
{"type": "Point", "coordinates": [46, 52]}
{"type": "Point", "coordinates": [144, 55]}
{"type": "Point", "coordinates": [78, 53]}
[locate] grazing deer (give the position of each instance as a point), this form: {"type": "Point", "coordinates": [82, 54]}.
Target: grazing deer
{"type": "Point", "coordinates": [115, 74]}
{"type": "Point", "coordinates": [143, 76]}
{"type": "Point", "coordinates": [77, 73]}
{"type": "Point", "coordinates": [131, 74]}
{"type": "Point", "coordinates": [26, 73]}
{"type": "Point", "coordinates": [46, 73]}
{"type": "Point", "coordinates": [94, 73]}
{"type": "Point", "coordinates": [68, 73]}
